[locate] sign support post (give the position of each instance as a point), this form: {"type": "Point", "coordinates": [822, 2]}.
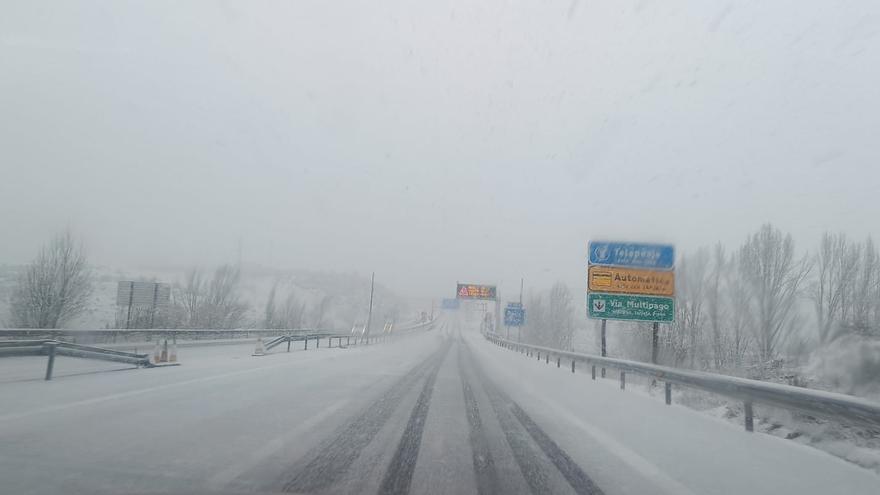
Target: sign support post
{"type": "Point", "coordinates": [496, 325]}
{"type": "Point", "coordinates": [519, 328]}
{"type": "Point", "coordinates": [631, 282]}
{"type": "Point", "coordinates": [604, 353]}
{"type": "Point", "coordinates": [655, 340]}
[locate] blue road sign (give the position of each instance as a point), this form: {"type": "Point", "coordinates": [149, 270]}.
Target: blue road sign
{"type": "Point", "coordinates": [655, 256]}
{"type": "Point", "coordinates": [450, 304]}
{"type": "Point", "coordinates": [514, 316]}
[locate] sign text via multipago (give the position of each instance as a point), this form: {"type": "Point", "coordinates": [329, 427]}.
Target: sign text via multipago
{"type": "Point", "coordinates": [631, 308]}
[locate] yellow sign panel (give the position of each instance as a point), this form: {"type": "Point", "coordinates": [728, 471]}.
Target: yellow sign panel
{"type": "Point", "coordinates": [627, 281]}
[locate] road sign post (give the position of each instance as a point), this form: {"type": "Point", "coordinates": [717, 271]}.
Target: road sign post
{"type": "Point", "coordinates": [628, 281]}
{"type": "Point", "coordinates": [514, 315]}
{"type": "Point", "coordinates": [604, 352]}
{"type": "Point", "coordinates": [632, 255]}
{"type": "Point", "coordinates": [631, 282]}
{"type": "Point", "coordinates": [630, 308]}
{"type": "Point", "coordinates": [450, 304]}
{"type": "Point", "coordinates": [655, 338]}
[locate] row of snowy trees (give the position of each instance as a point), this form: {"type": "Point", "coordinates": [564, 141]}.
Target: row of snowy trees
{"type": "Point", "coordinates": [761, 302]}
{"type": "Point", "coordinates": [550, 317]}
{"type": "Point", "coordinates": [743, 310]}
{"type": "Point", "coordinates": [57, 286]}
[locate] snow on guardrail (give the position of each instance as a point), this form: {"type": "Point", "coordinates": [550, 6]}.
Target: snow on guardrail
{"type": "Point", "coordinates": [816, 402]}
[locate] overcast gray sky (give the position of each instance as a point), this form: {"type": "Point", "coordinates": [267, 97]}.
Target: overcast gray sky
{"type": "Point", "coordinates": [433, 141]}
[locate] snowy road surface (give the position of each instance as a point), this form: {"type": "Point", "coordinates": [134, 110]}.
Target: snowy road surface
{"type": "Point", "coordinates": [439, 412]}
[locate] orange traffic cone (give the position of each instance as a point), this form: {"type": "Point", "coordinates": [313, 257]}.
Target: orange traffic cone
{"type": "Point", "coordinates": [164, 357]}
{"type": "Point", "coordinates": [259, 350]}
{"type": "Point", "coordinates": [172, 356]}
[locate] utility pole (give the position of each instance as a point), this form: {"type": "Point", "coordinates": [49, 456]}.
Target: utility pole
{"type": "Point", "coordinates": [497, 324]}
{"type": "Point", "coordinates": [130, 302]}
{"type": "Point", "coordinates": [519, 328]}
{"type": "Point", "coordinates": [370, 312]}
{"type": "Point", "coordinates": [239, 252]}
{"type": "Point", "coordinates": [155, 300]}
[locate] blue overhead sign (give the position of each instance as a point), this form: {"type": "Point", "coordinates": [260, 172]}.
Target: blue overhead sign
{"type": "Point", "coordinates": [634, 254]}
{"type": "Point", "coordinates": [514, 315]}
{"type": "Point", "coordinates": [450, 304]}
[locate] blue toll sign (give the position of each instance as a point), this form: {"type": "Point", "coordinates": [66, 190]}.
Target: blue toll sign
{"type": "Point", "coordinates": [514, 316]}
{"type": "Point", "coordinates": [450, 304]}
{"type": "Point", "coordinates": [655, 256]}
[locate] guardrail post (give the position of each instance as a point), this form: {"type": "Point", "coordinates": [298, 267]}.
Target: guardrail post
{"type": "Point", "coordinates": [539, 355]}
{"type": "Point", "coordinates": [348, 341]}
{"type": "Point", "coordinates": [750, 420]}
{"type": "Point", "coordinates": [50, 350]}
{"type": "Point", "coordinates": [622, 380]}
{"type": "Point", "coordinates": [547, 358]}
{"type": "Point", "coordinates": [306, 340]}
{"type": "Point", "coordinates": [558, 361]}
{"type": "Point", "coordinates": [288, 344]}
{"type": "Point", "coordinates": [317, 342]}
{"type": "Point", "coordinates": [572, 365]}
{"type": "Point", "coordinates": [668, 393]}
{"type": "Point", "coordinates": [594, 372]}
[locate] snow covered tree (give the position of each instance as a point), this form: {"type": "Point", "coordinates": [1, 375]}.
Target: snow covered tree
{"type": "Point", "coordinates": [213, 303]}
{"type": "Point", "coordinates": [560, 316]}
{"type": "Point", "coordinates": [716, 313]}
{"type": "Point", "coordinates": [837, 263]}
{"type": "Point", "coordinates": [54, 288]}
{"type": "Point", "coordinates": [773, 276]}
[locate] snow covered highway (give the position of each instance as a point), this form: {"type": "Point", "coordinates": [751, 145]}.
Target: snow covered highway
{"type": "Point", "coordinates": [441, 411]}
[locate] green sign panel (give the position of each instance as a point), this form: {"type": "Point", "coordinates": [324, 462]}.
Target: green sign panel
{"type": "Point", "coordinates": [633, 308]}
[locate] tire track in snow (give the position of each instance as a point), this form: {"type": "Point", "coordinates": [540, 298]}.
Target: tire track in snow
{"type": "Point", "coordinates": [521, 431]}
{"type": "Point", "coordinates": [400, 472]}
{"type": "Point", "coordinates": [328, 463]}
{"type": "Point", "coordinates": [484, 464]}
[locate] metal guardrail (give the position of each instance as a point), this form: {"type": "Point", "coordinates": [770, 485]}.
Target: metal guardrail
{"type": "Point", "coordinates": [51, 348]}
{"type": "Point", "coordinates": [814, 402]}
{"type": "Point", "coordinates": [114, 335]}
{"type": "Point", "coordinates": [289, 339]}
{"type": "Point", "coordinates": [123, 333]}
{"type": "Point", "coordinates": [349, 338]}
